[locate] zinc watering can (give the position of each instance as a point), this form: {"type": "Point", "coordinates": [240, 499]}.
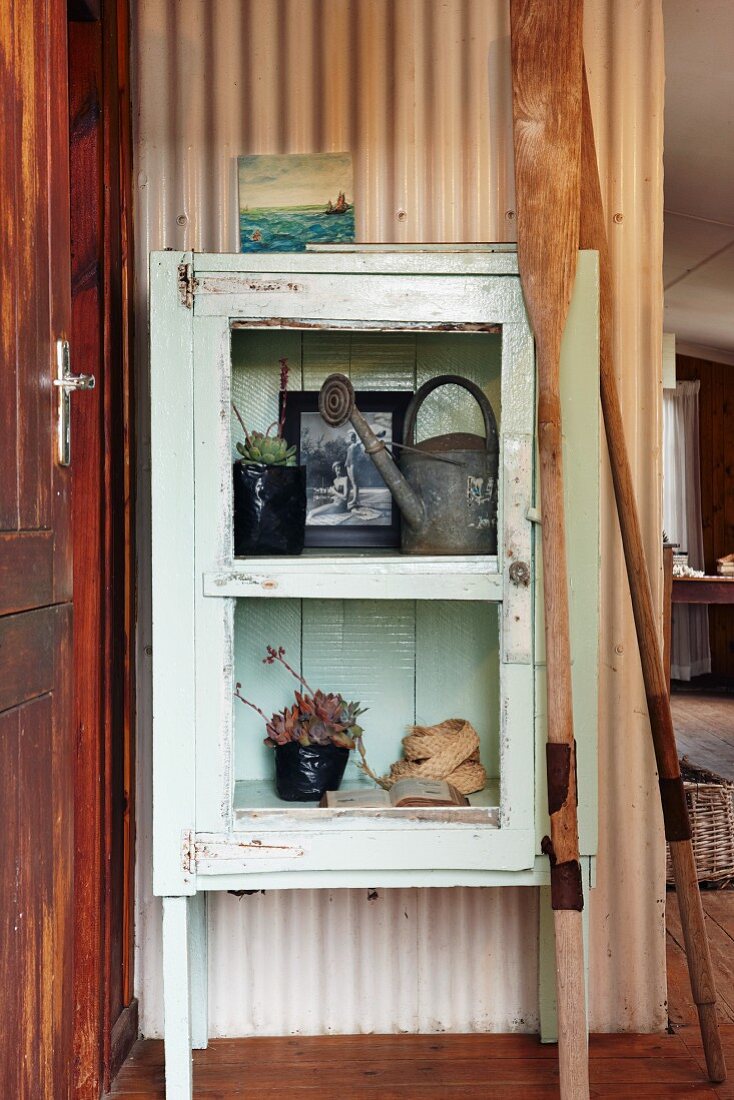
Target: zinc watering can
{"type": "Point", "coordinates": [445, 487]}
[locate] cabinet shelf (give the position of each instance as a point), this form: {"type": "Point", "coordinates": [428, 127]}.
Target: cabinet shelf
{"type": "Point", "coordinates": [359, 575]}
{"type": "Point", "coordinates": [257, 805]}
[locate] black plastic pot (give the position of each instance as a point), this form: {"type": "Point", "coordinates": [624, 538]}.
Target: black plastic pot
{"type": "Point", "coordinates": [305, 774]}
{"type": "Point", "coordinates": [269, 509]}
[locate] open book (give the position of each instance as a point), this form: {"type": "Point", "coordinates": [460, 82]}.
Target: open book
{"type": "Point", "coordinates": [406, 792]}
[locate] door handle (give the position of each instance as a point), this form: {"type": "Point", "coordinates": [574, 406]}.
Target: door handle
{"type": "Point", "coordinates": [66, 384]}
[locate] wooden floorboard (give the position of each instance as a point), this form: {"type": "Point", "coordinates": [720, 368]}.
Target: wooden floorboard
{"type": "Point", "coordinates": [466, 1067]}
{"type": "Point", "coordinates": [722, 954]}
{"type": "Point", "coordinates": [704, 730]}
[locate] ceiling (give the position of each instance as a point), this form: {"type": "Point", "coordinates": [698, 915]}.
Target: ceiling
{"type": "Point", "coordinates": [698, 263]}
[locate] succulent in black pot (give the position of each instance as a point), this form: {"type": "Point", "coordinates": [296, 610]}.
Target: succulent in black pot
{"type": "Point", "coordinates": [312, 738]}
{"type": "Point", "coordinates": [269, 490]}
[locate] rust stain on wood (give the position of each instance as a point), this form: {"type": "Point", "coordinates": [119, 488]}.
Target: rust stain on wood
{"type": "Point", "coordinates": [379, 326]}
{"type": "Point", "coordinates": [260, 286]}
{"type": "Point", "coordinates": [675, 809]}
{"type": "Point", "coordinates": [558, 764]}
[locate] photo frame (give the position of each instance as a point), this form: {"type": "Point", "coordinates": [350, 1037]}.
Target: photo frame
{"type": "Point", "coordinates": [348, 503]}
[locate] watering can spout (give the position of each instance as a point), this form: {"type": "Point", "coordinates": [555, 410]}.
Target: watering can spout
{"type": "Point", "coordinates": [336, 405]}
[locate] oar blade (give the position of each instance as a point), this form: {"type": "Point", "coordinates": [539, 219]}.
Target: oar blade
{"type": "Point", "coordinates": [547, 66]}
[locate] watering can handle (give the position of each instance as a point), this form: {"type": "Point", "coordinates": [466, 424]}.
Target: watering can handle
{"type": "Point", "coordinates": [490, 423]}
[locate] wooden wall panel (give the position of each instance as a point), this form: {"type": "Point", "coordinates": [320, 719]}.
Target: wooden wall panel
{"type": "Point", "coordinates": [86, 166]}
{"type": "Point", "coordinates": [9, 104]}
{"type": "Point", "coordinates": [10, 959]}
{"type": "Point", "coordinates": [716, 437]}
{"type": "Point", "coordinates": [106, 1016]}
{"type": "Point", "coordinates": [57, 776]}
{"type": "Point", "coordinates": [36, 861]}
{"type": "Point", "coordinates": [26, 642]}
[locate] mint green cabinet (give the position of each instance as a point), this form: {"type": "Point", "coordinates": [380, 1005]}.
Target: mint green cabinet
{"type": "Point", "coordinates": [415, 638]}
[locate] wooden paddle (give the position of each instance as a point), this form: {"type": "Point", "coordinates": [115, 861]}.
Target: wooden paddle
{"type": "Point", "coordinates": [592, 234]}
{"type": "Point", "coordinates": [547, 62]}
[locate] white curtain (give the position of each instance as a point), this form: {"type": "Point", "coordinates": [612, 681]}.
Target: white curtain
{"type": "Point", "coordinates": [690, 651]}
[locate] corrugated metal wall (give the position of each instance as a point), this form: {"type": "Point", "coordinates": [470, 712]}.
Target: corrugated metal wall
{"type": "Point", "coordinates": [419, 91]}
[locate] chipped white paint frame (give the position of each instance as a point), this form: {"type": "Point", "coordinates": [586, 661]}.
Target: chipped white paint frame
{"type": "Point", "coordinates": [204, 836]}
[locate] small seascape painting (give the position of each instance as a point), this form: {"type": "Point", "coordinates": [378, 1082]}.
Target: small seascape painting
{"type": "Point", "coordinates": [287, 201]}
{"type": "Point", "coordinates": [347, 502]}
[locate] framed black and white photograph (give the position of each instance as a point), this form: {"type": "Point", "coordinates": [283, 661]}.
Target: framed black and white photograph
{"type": "Point", "coordinates": [347, 502]}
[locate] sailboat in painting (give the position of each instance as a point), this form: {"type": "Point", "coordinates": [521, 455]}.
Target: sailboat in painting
{"type": "Point", "coordinates": [341, 206]}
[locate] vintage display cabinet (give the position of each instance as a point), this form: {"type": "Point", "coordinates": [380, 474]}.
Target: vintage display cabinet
{"type": "Point", "coordinates": [414, 638]}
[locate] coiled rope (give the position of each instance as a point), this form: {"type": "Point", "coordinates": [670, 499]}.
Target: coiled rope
{"type": "Point", "coordinates": [449, 750]}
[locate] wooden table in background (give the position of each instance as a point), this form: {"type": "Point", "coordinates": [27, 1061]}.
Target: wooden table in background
{"type": "Point", "coordinates": [703, 590]}
{"type": "Point", "coordinates": [688, 590]}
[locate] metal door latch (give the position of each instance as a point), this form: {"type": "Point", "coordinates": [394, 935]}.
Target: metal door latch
{"type": "Point", "coordinates": [66, 382]}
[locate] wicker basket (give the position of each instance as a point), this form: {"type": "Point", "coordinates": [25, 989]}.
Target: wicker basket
{"type": "Point", "coordinates": [712, 825]}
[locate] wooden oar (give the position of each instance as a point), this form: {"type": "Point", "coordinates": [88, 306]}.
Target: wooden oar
{"type": "Point", "coordinates": [547, 63]}
{"type": "Point", "coordinates": [675, 812]}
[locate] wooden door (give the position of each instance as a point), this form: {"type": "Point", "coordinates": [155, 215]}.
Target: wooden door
{"type": "Point", "coordinates": [36, 735]}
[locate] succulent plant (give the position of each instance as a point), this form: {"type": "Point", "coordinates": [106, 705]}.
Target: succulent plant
{"type": "Point", "coordinates": [329, 719]}
{"type": "Point", "coordinates": [262, 448]}
{"type": "Point", "coordinates": [284, 726]}
{"type": "Point", "coordinates": [267, 450]}
{"type": "Point", "coordinates": [316, 718]}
